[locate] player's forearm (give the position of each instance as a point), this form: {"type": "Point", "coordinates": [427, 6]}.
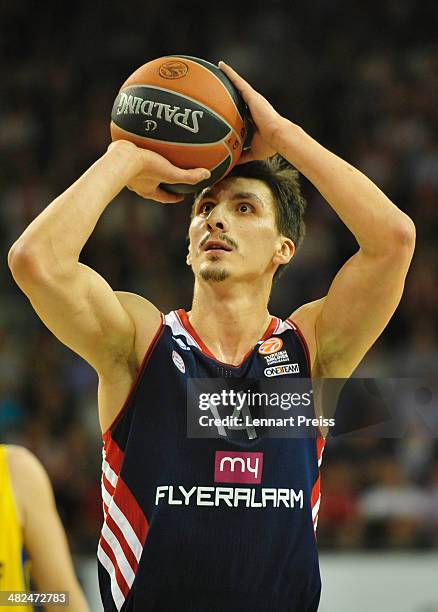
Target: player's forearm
{"type": "Point", "coordinates": [59, 233]}
{"type": "Point", "coordinates": [375, 221]}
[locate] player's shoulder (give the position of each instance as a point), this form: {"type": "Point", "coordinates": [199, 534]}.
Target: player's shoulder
{"type": "Point", "coordinates": [137, 304]}
{"type": "Point", "coordinates": [28, 477]}
{"type": "Point", "coordinates": [25, 467]}
{"type": "Point", "coordinates": [20, 458]}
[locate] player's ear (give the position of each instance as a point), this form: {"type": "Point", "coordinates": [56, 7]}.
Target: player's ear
{"type": "Point", "coordinates": [285, 251]}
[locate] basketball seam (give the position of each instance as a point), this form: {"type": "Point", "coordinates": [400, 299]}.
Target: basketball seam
{"type": "Point", "coordinates": [231, 161]}
{"type": "Point", "coordinates": [180, 144]}
{"type": "Point", "coordinates": [192, 100]}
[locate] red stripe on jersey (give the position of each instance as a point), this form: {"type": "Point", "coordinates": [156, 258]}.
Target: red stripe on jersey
{"type": "Point", "coordinates": [119, 576]}
{"type": "Point", "coordinates": [304, 344]}
{"type": "Point", "coordinates": [127, 503]}
{"type": "Point", "coordinates": [320, 445]}
{"type": "Point", "coordinates": [315, 491]}
{"type": "Point", "coordinates": [130, 557]}
{"type": "Point", "coordinates": [113, 454]}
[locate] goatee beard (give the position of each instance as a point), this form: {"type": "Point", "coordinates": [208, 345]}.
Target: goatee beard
{"type": "Point", "coordinates": [216, 276]}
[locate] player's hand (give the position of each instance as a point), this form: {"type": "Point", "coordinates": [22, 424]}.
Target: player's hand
{"type": "Point", "coordinates": [151, 169]}
{"type": "Point", "coordinates": [268, 123]}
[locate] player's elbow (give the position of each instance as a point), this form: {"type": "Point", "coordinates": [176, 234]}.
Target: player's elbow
{"type": "Point", "coordinates": [25, 266]}
{"type": "Point", "coordinates": [398, 239]}
{"type": "Point", "coordinates": [29, 265]}
{"type": "Point", "coordinates": [21, 261]}
{"type": "Point", "coordinates": [403, 234]}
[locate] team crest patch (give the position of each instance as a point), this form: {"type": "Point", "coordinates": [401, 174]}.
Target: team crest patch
{"type": "Point", "coordinates": [271, 345]}
{"type": "Point", "coordinates": [178, 361]}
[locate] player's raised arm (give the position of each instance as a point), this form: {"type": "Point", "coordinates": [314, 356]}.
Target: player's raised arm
{"type": "Point", "coordinates": [74, 301]}
{"type": "Point", "coordinates": [367, 289]}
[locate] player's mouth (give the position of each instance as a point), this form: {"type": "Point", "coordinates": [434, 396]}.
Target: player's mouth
{"type": "Point", "coordinates": [216, 246]}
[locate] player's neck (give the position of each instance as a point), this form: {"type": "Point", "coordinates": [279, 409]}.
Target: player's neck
{"type": "Point", "coordinates": [229, 324]}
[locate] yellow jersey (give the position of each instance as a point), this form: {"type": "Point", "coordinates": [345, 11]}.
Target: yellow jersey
{"type": "Point", "coordinates": [14, 567]}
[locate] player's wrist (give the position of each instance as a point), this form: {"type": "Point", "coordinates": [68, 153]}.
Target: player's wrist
{"type": "Point", "coordinates": [285, 132]}
{"type": "Point", "coordinates": [127, 157]}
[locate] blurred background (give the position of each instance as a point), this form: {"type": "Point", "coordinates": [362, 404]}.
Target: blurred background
{"type": "Point", "coordinates": [362, 78]}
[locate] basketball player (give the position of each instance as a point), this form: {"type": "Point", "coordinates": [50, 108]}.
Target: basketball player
{"type": "Point", "coordinates": [177, 535]}
{"type": "Point", "coordinates": [33, 541]}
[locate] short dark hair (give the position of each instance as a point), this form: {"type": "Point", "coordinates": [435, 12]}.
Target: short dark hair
{"type": "Point", "coordinates": [283, 180]}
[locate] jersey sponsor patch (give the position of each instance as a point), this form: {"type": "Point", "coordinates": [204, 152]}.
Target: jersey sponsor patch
{"type": "Point", "coordinates": [178, 361]}
{"type": "Point", "coordinates": [239, 467]}
{"type": "Point", "coordinates": [279, 357]}
{"type": "Point", "coordinates": [233, 497]}
{"type": "Point", "coordinates": [289, 368]}
{"type": "Point", "coordinates": [271, 345]}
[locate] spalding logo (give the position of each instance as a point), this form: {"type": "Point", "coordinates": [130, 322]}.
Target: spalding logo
{"type": "Point", "coordinates": [271, 345]}
{"type": "Point", "coordinates": [128, 104]}
{"type": "Point", "coordinates": [173, 70]}
{"type": "Point", "coordinates": [178, 361]}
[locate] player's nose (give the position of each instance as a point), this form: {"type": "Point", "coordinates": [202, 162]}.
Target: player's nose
{"type": "Point", "coordinates": [217, 219]}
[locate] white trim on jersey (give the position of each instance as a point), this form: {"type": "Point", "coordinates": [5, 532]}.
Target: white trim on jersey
{"type": "Point", "coordinates": [118, 597]}
{"type": "Point", "coordinates": [320, 457]}
{"type": "Point", "coordinates": [123, 524]}
{"type": "Point", "coordinates": [283, 326]}
{"type": "Point", "coordinates": [109, 473]}
{"type": "Point", "coordinates": [173, 321]}
{"type": "Point", "coordinates": [123, 563]}
{"type": "Point", "coordinates": [315, 508]}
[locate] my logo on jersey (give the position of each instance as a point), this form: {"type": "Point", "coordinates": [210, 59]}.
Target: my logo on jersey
{"type": "Point", "coordinates": [178, 361]}
{"type": "Point", "coordinates": [279, 357]}
{"type": "Point", "coordinates": [231, 466]}
{"type": "Point", "coordinates": [181, 344]}
{"type": "Point", "coordinates": [271, 345]}
{"type": "Point", "coordinates": [290, 368]}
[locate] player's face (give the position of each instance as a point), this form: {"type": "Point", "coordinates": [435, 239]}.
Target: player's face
{"type": "Point", "coordinates": [233, 232]}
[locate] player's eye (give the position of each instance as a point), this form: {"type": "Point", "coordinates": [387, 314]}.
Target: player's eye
{"type": "Point", "coordinates": [205, 208]}
{"type": "Point", "coordinates": [244, 207]}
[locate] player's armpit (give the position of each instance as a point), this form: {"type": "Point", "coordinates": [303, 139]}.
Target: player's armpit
{"type": "Point", "coordinates": [305, 319]}
{"type": "Point", "coordinates": [360, 302]}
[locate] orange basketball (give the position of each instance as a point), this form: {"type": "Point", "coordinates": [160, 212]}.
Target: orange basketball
{"type": "Point", "coordinates": [185, 109]}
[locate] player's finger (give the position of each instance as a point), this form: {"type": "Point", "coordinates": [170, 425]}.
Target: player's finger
{"type": "Point", "coordinates": [164, 197]}
{"type": "Point", "coordinates": [173, 175]}
{"type": "Point", "coordinates": [243, 86]}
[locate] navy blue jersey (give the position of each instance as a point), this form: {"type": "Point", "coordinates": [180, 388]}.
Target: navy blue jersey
{"type": "Point", "coordinates": [207, 524]}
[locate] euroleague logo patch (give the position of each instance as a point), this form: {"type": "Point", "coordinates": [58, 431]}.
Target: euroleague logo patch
{"type": "Point", "coordinates": [178, 361]}
{"type": "Point", "coordinates": [173, 70]}
{"type": "Point", "coordinates": [271, 345]}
